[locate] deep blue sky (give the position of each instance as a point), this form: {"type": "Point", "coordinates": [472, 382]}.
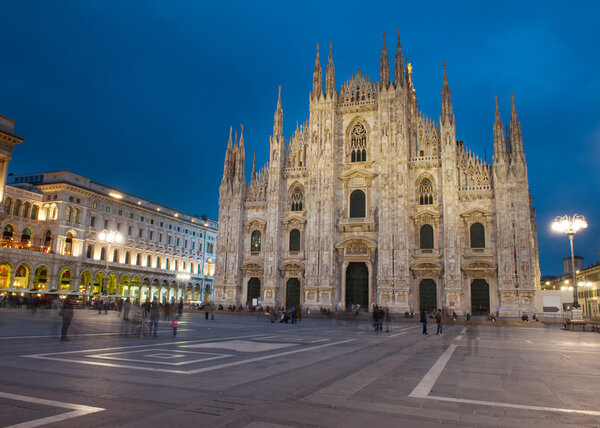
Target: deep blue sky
{"type": "Point", "coordinates": [140, 95]}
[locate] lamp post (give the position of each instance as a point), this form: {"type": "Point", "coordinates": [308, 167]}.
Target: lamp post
{"type": "Point", "coordinates": [570, 226]}
{"type": "Point", "coordinates": [109, 237]}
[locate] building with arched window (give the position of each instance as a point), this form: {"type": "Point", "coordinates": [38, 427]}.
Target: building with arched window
{"type": "Point", "coordinates": [52, 224]}
{"type": "Point", "coordinates": [369, 201]}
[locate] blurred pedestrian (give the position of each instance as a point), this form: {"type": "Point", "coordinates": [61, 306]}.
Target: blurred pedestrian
{"type": "Point", "coordinates": [174, 325]}
{"type": "Point", "coordinates": [126, 307]}
{"type": "Point", "coordinates": [66, 313]}
{"type": "Point", "coordinates": [424, 321]}
{"type": "Point", "coordinates": [438, 320]}
{"type": "Point", "coordinates": [154, 317]}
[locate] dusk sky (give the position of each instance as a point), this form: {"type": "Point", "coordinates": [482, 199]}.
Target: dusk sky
{"type": "Point", "coordinates": [140, 95]}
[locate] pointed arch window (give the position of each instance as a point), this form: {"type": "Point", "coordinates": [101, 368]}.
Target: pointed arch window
{"type": "Point", "coordinates": [477, 235]}
{"type": "Point", "coordinates": [357, 204]}
{"type": "Point", "coordinates": [426, 237]}
{"type": "Point", "coordinates": [297, 199]}
{"type": "Point", "coordinates": [426, 192]}
{"type": "Point", "coordinates": [69, 214]}
{"type": "Point", "coordinates": [358, 144]}
{"type": "Point", "coordinates": [294, 240]}
{"type": "Point", "coordinates": [255, 243]}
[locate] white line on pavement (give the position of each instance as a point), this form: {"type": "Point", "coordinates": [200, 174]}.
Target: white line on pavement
{"type": "Point", "coordinates": [79, 410]}
{"type": "Point", "coordinates": [513, 406]}
{"type": "Point", "coordinates": [398, 334]}
{"type": "Point", "coordinates": [464, 330]}
{"type": "Point", "coordinates": [424, 387]}
{"type": "Point", "coordinates": [458, 337]}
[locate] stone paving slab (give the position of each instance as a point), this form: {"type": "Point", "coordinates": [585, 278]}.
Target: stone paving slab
{"type": "Point", "coordinates": [319, 372]}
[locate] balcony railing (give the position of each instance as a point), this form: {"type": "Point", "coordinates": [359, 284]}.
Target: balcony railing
{"type": "Point", "coordinates": [25, 246]}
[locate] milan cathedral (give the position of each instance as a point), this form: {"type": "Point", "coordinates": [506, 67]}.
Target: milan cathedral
{"type": "Point", "coordinates": [371, 202]}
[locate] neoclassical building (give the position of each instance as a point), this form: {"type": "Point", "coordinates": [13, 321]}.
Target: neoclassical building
{"type": "Point", "coordinates": [59, 236]}
{"type": "Point", "coordinates": [372, 202]}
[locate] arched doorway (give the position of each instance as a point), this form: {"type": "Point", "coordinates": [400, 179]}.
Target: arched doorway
{"type": "Point", "coordinates": [64, 282]}
{"type": "Point", "coordinates": [480, 297]}
{"type": "Point", "coordinates": [5, 272]}
{"type": "Point", "coordinates": [292, 293]}
{"type": "Point", "coordinates": [357, 285]}
{"type": "Point", "coordinates": [253, 290]}
{"type": "Point", "coordinates": [427, 295]}
{"type": "Point", "coordinates": [22, 276]}
{"type": "Point", "coordinates": [40, 278]}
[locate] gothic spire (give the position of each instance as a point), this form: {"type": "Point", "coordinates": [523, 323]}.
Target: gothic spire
{"type": "Point", "coordinates": [447, 114]}
{"type": "Point", "coordinates": [499, 141]}
{"type": "Point", "coordinates": [399, 64]}
{"type": "Point", "coordinates": [278, 122]}
{"type": "Point", "coordinates": [516, 140]}
{"type": "Point", "coordinates": [384, 66]}
{"type": "Point", "coordinates": [317, 78]}
{"type": "Point", "coordinates": [241, 158]}
{"type": "Point", "coordinates": [229, 142]}
{"type": "Point", "coordinates": [253, 177]}
{"type": "Point", "coordinates": [330, 75]}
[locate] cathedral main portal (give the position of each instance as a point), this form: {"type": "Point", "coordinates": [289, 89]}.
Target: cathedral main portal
{"type": "Point", "coordinates": [357, 285]}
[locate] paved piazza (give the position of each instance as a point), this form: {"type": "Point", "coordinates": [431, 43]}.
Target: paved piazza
{"type": "Point", "coordinates": [243, 371]}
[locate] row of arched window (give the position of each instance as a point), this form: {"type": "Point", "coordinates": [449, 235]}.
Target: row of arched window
{"type": "Point", "coordinates": [148, 262]}
{"type": "Point", "coordinates": [256, 236]}
{"type": "Point", "coordinates": [477, 236]}
{"type": "Point", "coordinates": [73, 215]}
{"type": "Point", "coordinates": [20, 209]}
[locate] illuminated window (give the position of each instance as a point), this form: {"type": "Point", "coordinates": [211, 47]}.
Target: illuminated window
{"type": "Point", "coordinates": [254, 241]}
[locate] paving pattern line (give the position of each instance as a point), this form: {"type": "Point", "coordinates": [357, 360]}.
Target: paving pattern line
{"type": "Point", "coordinates": [513, 405]}
{"type": "Point", "coordinates": [267, 357]}
{"type": "Point", "coordinates": [424, 387]}
{"type": "Point", "coordinates": [79, 410]}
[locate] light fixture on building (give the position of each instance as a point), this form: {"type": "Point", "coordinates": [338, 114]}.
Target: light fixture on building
{"type": "Point", "coordinates": [115, 195]}
{"type": "Point", "coordinates": [570, 226]}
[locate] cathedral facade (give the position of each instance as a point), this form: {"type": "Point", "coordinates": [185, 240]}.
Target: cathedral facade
{"type": "Point", "coordinates": [372, 202]}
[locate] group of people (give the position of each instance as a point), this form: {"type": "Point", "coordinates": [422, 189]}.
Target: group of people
{"type": "Point", "coordinates": [380, 315]}
{"type": "Point", "coordinates": [438, 320]}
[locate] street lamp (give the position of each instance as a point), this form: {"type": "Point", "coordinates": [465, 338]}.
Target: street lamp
{"type": "Point", "coordinates": [570, 226]}
{"type": "Point", "coordinates": [109, 237]}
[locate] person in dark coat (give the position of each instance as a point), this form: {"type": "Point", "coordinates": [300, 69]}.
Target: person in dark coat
{"type": "Point", "coordinates": [66, 312]}
{"type": "Point", "coordinates": [438, 320]}
{"type": "Point", "coordinates": [154, 317]}
{"type": "Point", "coordinates": [424, 321]}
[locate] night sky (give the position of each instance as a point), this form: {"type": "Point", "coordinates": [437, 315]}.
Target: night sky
{"type": "Point", "coordinates": [140, 95]}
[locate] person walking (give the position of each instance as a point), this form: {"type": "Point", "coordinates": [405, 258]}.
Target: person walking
{"type": "Point", "coordinates": [154, 317]}
{"type": "Point", "coordinates": [126, 307]}
{"type": "Point", "coordinates": [66, 313]}
{"type": "Point", "coordinates": [424, 321]}
{"type": "Point", "coordinates": [438, 320]}
{"type": "Point", "coordinates": [174, 325]}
